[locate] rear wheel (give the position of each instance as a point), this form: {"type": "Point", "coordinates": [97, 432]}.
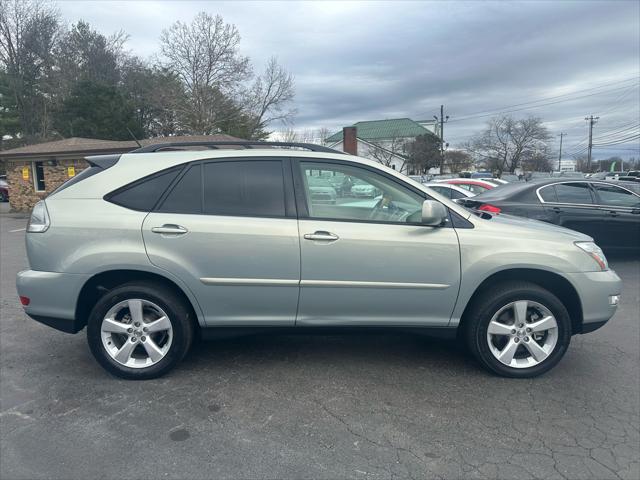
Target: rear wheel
{"type": "Point", "coordinates": [518, 330]}
{"type": "Point", "coordinates": [140, 330]}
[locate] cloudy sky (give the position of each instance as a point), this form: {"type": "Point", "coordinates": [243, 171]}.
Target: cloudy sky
{"type": "Point", "coordinates": [352, 61]}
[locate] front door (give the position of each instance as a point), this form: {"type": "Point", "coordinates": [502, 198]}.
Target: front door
{"type": "Point", "coordinates": [621, 209]}
{"type": "Point", "coordinates": [574, 208]}
{"type": "Point", "coordinates": [365, 258]}
{"type": "Point", "coordinates": [227, 230]}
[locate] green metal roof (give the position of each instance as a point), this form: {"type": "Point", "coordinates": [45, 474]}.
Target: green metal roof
{"type": "Point", "coordinates": [384, 129]}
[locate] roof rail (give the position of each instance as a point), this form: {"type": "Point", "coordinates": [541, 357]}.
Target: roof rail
{"type": "Point", "coordinates": [157, 147]}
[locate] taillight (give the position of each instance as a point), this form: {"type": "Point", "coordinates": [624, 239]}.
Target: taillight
{"type": "Point", "coordinates": [39, 221]}
{"type": "Point", "coordinates": [485, 207]}
{"type": "Point", "coordinates": [25, 300]}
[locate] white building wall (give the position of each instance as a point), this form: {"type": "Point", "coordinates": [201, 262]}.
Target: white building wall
{"type": "Point", "coordinates": [364, 150]}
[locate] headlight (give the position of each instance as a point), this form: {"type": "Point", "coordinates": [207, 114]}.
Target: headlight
{"type": "Point", "coordinates": [595, 252]}
{"type": "Point", "coordinates": [39, 221]}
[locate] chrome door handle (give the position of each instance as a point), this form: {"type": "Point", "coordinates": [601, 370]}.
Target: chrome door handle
{"type": "Point", "coordinates": [170, 229]}
{"type": "Point", "coordinates": [322, 236]}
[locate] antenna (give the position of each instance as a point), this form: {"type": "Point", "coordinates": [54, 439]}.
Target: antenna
{"type": "Point", "coordinates": [134, 137]}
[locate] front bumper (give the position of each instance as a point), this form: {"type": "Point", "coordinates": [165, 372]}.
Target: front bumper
{"type": "Point", "coordinates": [52, 297]}
{"type": "Point", "coordinates": [595, 290]}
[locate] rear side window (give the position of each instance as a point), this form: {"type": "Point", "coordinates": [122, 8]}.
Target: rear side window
{"type": "Point", "coordinates": [615, 196]}
{"type": "Point", "coordinates": [235, 188]}
{"type": "Point", "coordinates": [548, 194]}
{"type": "Point", "coordinates": [186, 196]}
{"type": "Point", "coordinates": [574, 193]}
{"type": "Point", "coordinates": [144, 194]}
{"type": "Point", "coordinates": [244, 188]}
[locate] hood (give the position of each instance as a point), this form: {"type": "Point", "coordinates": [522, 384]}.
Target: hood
{"type": "Point", "coordinates": [536, 227]}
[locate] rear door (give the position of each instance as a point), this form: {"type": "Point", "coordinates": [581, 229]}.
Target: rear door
{"type": "Point", "coordinates": [228, 229]}
{"type": "Point", "coordinates": [572, 205]}
{"type": "Point", "coordinates": [621, 209]}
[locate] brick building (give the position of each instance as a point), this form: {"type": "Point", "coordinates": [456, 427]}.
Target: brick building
{"type": "Point", "coordinates": [33, 171]}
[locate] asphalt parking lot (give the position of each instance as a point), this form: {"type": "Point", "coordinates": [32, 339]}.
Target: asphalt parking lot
{"type": "Point", "coordinates": [353, 406]}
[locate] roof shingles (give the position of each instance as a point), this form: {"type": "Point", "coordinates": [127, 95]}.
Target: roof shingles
{"type": "Point", "coordinates": [384, 129]}
{"type": "Point", "coordinates": [89, 145]}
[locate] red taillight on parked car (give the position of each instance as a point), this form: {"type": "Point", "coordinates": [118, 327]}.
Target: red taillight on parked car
{"type": "Point", "coordinates": [25, 300]}
{"type": "Point", "coordinates": [489, 208]}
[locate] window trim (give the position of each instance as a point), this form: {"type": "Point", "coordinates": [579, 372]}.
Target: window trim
{"type": "Point", "coordinates": [287, 180]}
{"type": "Point", "coordinates": [35, 176]}
{"type": "Point", "coordinates": [301, 199]}
{"type": "Point", "coordinates": [594, 194]}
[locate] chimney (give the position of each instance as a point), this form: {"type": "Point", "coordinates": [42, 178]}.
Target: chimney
{"type": "Point", "coordinates": [349, 140]}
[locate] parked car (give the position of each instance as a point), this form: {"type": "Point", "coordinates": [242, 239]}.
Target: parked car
{"type": "Point", "coordinates": [364, 189]}
{"type": "Point", "coordinates": [510, 178]}
{"type": "Point", "coordinates": [474, 185]}
{"type": "Point", "coordinates": [450, 191]}
{"type": "Point", "coordinates": [609, 212]}
{"type": "Point", "coordinates": [4, 191]}
{"type": "Point", "coordinates": [486, 175]}
{"type": "Point", "coordinates": [321, 190]}
{"type": "Point", "coordinates": [152, 248]}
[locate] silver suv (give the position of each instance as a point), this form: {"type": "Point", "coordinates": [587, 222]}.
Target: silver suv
{"type": "Point", "coordinates": [152, 249]}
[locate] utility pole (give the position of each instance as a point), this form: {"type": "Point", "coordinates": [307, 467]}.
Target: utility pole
{"type": "Point", "coordinates": [560, 154]}
{"type": "Point", "coordinates": [442, 121]}
{"type": "Point", "coordinates": [592, 121]}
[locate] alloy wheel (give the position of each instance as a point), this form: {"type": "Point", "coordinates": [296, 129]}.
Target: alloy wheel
{"type": "Point", "coordinates": [136, 333]}
{"type": "Point", "coordinates": [522, 334]}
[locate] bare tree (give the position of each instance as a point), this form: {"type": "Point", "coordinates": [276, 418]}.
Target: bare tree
{"type": "Point", "coordinates": [506, 143]}
{"type": "Point", "coordinates": [205, 56]}
{"type": "Point", "coordinates": [390, 152]}
{"type": "Point", "coordinates": [457, 160]}
{"type": "Point", "coordinates": [28, 33]}
{"type": "Point", "coordinates": [288, 135]}
{"type": "Point", "coordinates": [269, 98]}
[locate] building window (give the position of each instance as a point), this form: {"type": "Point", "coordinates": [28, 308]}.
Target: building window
{"type": "Point", "coordinates": [38, 176]}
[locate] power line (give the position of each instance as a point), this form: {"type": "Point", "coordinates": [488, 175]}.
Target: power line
{"type": "Point", "coordinates": [485, 113]}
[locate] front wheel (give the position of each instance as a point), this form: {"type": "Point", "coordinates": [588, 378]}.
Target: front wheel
{"type": "Point", "coordinates": [139, 330]}
{"type": "Point", "coordinates": [518, 330]}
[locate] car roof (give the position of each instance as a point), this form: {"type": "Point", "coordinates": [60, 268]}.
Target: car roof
{"type": "Point", "coordinates": [509, 190]}
{"type": "Point", "coordinates": [471, 181]}
{"type": "Point", "coordinates": [447, 185]}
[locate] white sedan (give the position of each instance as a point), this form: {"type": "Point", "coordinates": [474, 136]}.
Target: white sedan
{"type": "Point", "coordinates": [450, 191]}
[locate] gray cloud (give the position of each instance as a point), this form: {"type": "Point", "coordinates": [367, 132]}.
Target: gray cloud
{"type": "Point", "coordinates": [359, 61]}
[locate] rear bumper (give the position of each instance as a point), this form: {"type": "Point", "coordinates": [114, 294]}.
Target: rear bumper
{"type": "Point", "coordinates": [52, 297]}
{"type": "Point", "coordinates": [595, 290]}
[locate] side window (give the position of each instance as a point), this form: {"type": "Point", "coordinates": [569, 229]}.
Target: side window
{"type": "Point", "coordinates": [612, 195]}
{"type": "Point", "coordinates": [579, 193]}
{"type": "Point", "coordinates": [186, 195]}
{"type": "Point", "coordinates": [548, 193]}
{"type": "Point", "coordinates": [456, 194]}
{"type": "Point", "coordinates": [142, 195]}
{"type": "Point", "coordinates": [342, 192]}
{"type": "Point", "coordinates": [244, 188]}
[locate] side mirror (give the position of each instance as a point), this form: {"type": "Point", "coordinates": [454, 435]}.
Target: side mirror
{"type": "Point", "coordinates": [433, 213]}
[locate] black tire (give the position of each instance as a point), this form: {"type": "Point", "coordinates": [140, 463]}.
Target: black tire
{"type": "Point", "coordinates": [2, 199]}
{"type": "Point", "coordinates": [180, 316]}
{"type": "Point", "coordinates": [489, 302]}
